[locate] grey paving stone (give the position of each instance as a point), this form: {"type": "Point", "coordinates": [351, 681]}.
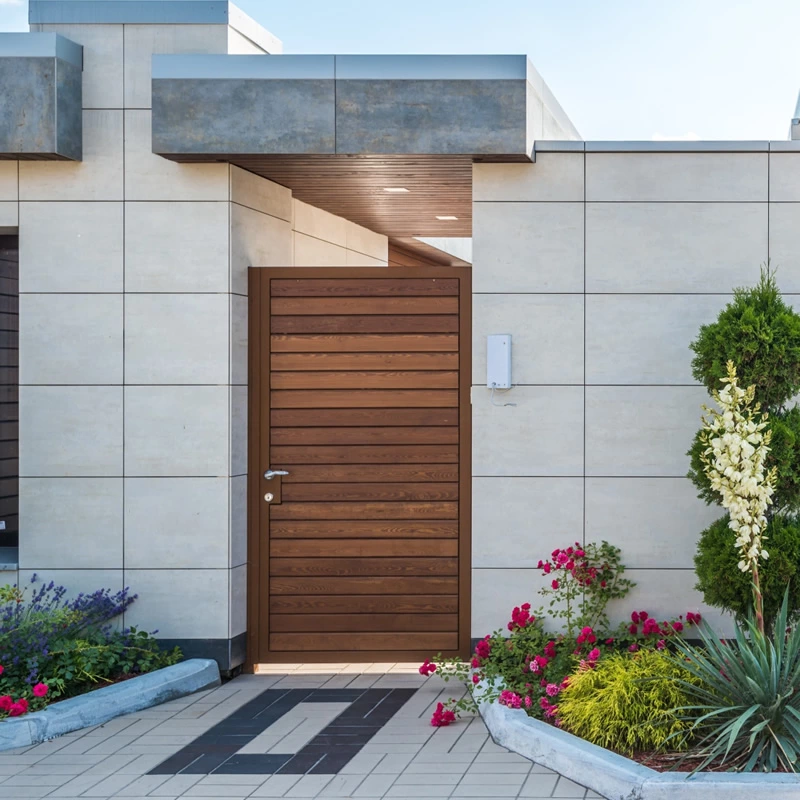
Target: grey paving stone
{"type": "Point", "coordinates": [568, 788]}
{"type": "Point", "coordinates": [276, 786]}
{"type": "Point", "coordinates": [539, 785]}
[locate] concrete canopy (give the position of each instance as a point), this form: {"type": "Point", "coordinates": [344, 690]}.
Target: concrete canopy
{"type": "Point", "coordinates": [368, 123]}
{"type": "Point", "coordinates": [40, 97]}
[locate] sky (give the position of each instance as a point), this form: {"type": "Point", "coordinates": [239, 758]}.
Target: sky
{"type": "Point", "coordinates": [622, 69]}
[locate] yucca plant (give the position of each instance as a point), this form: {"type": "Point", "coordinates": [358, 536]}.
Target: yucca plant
{"type": "Point", "coordinates": [745, 707]}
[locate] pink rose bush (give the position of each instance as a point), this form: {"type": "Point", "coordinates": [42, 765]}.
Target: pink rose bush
{"type": "Point", "coordinates": [22, 705]}
{"type": "Point", "coordinates": [528, 667]}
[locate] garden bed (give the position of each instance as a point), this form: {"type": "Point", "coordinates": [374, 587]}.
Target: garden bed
{"type": "Point", "coordinates": [101, 705]}
{"type": "Point", "coordinates": [618, 778]}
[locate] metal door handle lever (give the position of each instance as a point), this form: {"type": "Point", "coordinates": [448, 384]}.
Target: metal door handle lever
{"type": "Point", "coordinates": [271, 473]}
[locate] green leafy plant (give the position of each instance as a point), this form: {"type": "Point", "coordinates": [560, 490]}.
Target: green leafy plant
{"type": "Point", "coordinates": [583, 580]}
{"type": "Point", "coordinates": [760, 334]}
{"type": "Point", "coordinates": [625, 702]}
{"type": "Point", "coordinates": [724, 586]}
{"type": "Point", "coordinates": [744, 703]}
{"type": "Point", "coordinates": [67, 645]}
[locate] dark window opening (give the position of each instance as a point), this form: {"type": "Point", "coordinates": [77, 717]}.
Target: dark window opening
{"type": "Point", "coordinates": [9, 390]}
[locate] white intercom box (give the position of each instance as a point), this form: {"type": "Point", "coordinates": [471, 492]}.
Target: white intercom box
{"type": "Point", "coordinates": [498, 361]}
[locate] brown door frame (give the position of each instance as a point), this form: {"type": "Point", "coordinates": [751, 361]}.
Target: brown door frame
{"type": "Point", "coordinates": [258, 449]}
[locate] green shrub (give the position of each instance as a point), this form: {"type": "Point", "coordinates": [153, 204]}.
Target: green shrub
{"type": "Point", "coordinates": [725, 586]}
{"type": "Point", "coordinates": [744, 705]}
{"type": "Point", "coordinates": [761, 335]}
{"type": "Point", "coordinates": [626, 703]}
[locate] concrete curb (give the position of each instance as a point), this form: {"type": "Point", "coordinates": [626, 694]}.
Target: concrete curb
{"type": "Point", "coordinates": [104, 704]}
{"type": "Point", "coordinates": [616, 777]}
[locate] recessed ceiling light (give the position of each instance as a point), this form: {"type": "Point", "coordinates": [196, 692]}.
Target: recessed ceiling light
{"type": "Point", "coordinates": [446, 218]}
{"type": "Point", "coordinates": [395, 190]}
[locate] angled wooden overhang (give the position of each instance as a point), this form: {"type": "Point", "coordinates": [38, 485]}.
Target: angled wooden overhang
{"type": "Point", "coordinates": [342, 130]}
{"type": "Point", "coordinates": [40, 97]}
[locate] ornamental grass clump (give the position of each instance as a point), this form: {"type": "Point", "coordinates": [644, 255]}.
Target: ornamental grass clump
{"type": "Point", "coordinates": [744, 696]}
{"type": "Point", "coordinates": [625, 703]}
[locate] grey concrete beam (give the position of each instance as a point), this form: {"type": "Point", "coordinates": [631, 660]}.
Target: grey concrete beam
{"type": "Point", "coordinates": [41, 97]}
{"type": "Point", "coordinates": [354, 105]}
{"type": "Point", "coordinates": [152, 12]}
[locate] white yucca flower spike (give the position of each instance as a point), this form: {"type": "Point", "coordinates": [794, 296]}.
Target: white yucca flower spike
{"type": "Point", "coordinates": [736, 447]}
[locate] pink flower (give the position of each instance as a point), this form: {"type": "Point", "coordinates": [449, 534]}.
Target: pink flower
{"type": "Point", "coordinates": [554, 584]}
{"type": "Point", "coordinates": [428, 668]}
{"type": "Point", "coordinates": [634, 629]}
{"type": "Point", "coordinates": [579, 554]}
{"type": "Point", "coordinates": [6, 702]}
{"type": "Point", "coordinates": [546, 568]}
{"type": "Point", "coordinates": [552, 689]}
{"type": "Point", "coordinates": [510, 699]}
{"type": "Point", "coordinates": [41, 689]}
{"type": "Point", "coordinates": [635, 617]}
{"type": "Point", "coordinates": [528, 701]}
{"type": "Point", "coordinates": [643, 616]}
{"type": "Point", "coordinates": [483, 648]}
{"type": "Point", "coordinates": [539, 663]}
{"type": "Point", "coordinates": [594, 654]}
{"type": "Point", "coordinates": [2, 669]}
{"type": "Point", "coordinates": [442, 716]}
{"type": "Point", "coordinates": [633, 648]}
{"type": "Point", "coordinates": [23, 703]}
{"type": "Point", "coordinates": [16, 710]}
{"type": "Point", "coordinates": [476, 678]}
{"type": "Point", "coordinates": [677, 627]}
{"type": "Point", "coordinates": [475, 663]}
{"type": "Point", "coordinates": [603, 584]}
{"type": "Point", "coordinates": [660, 644]}
{"type": "Point", "coordinates": [692, 618]}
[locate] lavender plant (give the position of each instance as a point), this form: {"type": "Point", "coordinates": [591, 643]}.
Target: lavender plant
{"type": "Point", "coordinates": [69, 643]}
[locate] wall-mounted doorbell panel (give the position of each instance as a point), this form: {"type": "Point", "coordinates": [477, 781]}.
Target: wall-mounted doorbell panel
{"type": "Point", "coordinates": [498, 361]}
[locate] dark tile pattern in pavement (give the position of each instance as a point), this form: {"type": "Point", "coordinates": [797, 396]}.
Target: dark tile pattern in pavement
{"type": "Point", "coordinates": [217, 750]}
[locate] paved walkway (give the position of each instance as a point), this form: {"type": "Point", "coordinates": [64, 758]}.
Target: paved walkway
{"type": "Point", "coordinates": [406, 759]}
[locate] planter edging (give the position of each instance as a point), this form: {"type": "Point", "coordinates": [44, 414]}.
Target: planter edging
{"type": "Point", "coordinates": [618, 778]}
{"type": "Point", "coordinates": [101, 705]}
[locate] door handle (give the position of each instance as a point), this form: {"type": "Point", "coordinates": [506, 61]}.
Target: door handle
{"type": "Point", "coordinates": [272, 473]}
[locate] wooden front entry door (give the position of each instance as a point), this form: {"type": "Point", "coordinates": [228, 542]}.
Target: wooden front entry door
{"type": "Point", "coordinates": [359, 389]}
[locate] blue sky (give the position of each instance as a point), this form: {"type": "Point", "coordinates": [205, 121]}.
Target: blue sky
{"type": "Point", "coordinates": [622, 69]}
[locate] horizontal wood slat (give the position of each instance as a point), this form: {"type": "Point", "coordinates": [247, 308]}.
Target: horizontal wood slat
{"type": "Point", "coordinates": [367, 398]}
{"type": "Point", "coordinates": [365, 454]}
{"type": "Point", "coordinates": [363, 361]}
{"type": "Point", "coordinates": [377, 623]}
{"type": "Point", "coordinates": [361, 528]}
{"type": "Point", "coordinates": [363, 343]}
{"type": "Point", "coordinates": [357, 381]}
{"type": "Point", "coordinates": [326, 306]}
{"type": "Point", "coordinates": [359, 287]}
{"type": "Point", "coordinates": [386, 492]}
{"type": "Point", "coordinates": [368, 567]}
{"type": "Point", "coordinates": [433, 510]}
{"type": "Point", "coordinates": [363, 641]}
{"type": "Point", "coordinates": [381, 548]}
{"type": "Point", "coordinates": [371, 473]}
{"type": "Point", "coordinates": [357, 417]}
{"type": "Point", "coordinates": [366, 324]}
{"type": "Point", "coordinates": [365, 604]}
{"type": "Point", "coordinates": [389, 585]}
{"type": "Point", "coordinates": [331, 436]}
